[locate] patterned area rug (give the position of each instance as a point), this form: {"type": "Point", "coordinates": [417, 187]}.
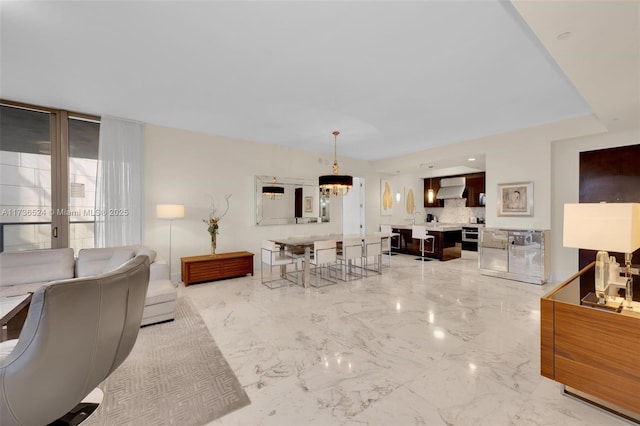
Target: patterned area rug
{"type": "Point", "coordinates": [175, 375]}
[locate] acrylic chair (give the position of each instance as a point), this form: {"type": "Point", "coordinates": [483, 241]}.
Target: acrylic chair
{"type": "Point", "coordinates": [350, 258]}
{"type": "Point", "coordinates": [272, 256]}
{"type": "Point", "coordinates": [323, 263]}
{"type": "Point", "coordinates": [419, 232]}
{"type": "Point", "coordinates": [372, 250]}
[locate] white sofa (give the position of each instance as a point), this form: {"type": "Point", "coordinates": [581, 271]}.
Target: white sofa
{"type": "Point", "coordinates": [25, 271]}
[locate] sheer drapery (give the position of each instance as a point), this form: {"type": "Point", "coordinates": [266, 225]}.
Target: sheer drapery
{"type": "Point", "coordinates": [119, 193]}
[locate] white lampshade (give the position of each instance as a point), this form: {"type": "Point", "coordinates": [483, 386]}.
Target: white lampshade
{"type": "Point", "coordinates": [613, 227]}
{"type": "Point", "coordinates": [169, 211]}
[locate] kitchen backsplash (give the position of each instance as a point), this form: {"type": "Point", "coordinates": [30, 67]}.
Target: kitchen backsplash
{"type": "Point", "coordinates": [454, 211]}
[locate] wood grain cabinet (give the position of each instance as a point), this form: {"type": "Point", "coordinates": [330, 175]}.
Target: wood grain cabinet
{"type": "Point", "coordinates": [443, 243]}
{"type": "Point", "coordinates": [594, 353]}
{"type": "Point", "coordinates": [474, 186]}
{"type": "Point", "coordinates": [199, 269]}
{"type": "Point", "coordinates": [433, 183]}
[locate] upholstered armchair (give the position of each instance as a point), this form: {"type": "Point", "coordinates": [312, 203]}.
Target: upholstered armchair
{"type": "Point", "coordinates": [77, 332]}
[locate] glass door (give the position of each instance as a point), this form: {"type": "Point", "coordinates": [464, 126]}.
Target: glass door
{"type": "Point", "coordinates": [48, 163]}
{"type": "Point", "coordinates": [25, 188]}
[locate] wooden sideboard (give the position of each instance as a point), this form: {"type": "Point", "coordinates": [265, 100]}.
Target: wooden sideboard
{"type": "Point", "coordinates": [199, 269]}
{"type": "Point", "coordinates": [594, 353]}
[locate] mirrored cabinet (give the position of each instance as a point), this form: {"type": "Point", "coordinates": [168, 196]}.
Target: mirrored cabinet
{"type": "Point", "coordinates": [521, 255]}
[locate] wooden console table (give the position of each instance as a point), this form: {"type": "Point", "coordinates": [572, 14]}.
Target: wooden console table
{"type": "Point", "coordinates": [592, 352]}
{"type": "Point", "coordinates": [199, 269]}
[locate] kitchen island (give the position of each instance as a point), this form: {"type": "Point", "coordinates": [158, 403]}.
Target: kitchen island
{"type": "Point", "coordinates": [447, 240]}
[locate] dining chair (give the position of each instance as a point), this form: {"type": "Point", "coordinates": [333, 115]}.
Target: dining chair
{"type": "Point", "coordinates": [323, 263]}
{"type": "Point", "coordinates": [419, 232]}
{"type": "Point", "coordinates": [386, 242]}
{"type": "Point", "coordinates": [350, 258]}
{"type": "Point", "coordinates": [272, 255]}
{"type": "Point", "coordinates": [372, 251]}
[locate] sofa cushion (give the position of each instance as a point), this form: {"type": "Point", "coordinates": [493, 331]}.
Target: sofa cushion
{"type": "Point", "coordinates": [117, 259]}
{"type": "Point", "coordinates": [96, 261]}
{"type": "Point", "coordinates": [36, 266]}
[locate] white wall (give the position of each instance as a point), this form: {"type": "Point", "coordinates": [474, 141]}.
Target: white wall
{"type": "Point", "coordinates": [510, 161]}
{"type": "Point", "coordinates": [182, 167]}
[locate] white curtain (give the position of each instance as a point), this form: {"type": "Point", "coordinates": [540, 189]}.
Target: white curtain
{"type": "Point", "coordinates": [119, 192]}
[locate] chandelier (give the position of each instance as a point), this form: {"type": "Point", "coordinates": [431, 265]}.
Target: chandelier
{"type": "Point", "coordinates": [273, 191]}
{"type": "Point", "coordinates": [335, 184]}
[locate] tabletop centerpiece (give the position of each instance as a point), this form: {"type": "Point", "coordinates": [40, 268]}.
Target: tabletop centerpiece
{"type": "Point", "coordinates": [212, 222]}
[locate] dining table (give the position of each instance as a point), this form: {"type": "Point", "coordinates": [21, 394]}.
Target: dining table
{"type": "Point", "coordinates": [299, 243]}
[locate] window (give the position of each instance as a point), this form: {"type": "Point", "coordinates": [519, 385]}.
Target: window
{"type": "Point", "coordinates": [48, 163]}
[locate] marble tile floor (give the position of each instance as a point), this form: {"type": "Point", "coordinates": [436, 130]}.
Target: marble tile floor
{"type": "Point", "coordinates": [426, 343]}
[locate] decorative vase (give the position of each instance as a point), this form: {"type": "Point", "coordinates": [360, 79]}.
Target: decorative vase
{"type": "Point", "coordinates": [213, 244]}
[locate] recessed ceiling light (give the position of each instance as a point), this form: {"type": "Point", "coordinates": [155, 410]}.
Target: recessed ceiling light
{"type": "Point", "coordinates": [471, 159]}
{"type": "Point", "coordinates": [563, 36]}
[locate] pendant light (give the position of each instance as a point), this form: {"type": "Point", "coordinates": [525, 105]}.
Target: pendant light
{"type": "Point", "coordinates": [335, 184]}
{"type": "Point", "coordinates": [273, 191]}
{"type": "Point", "coordinates": [430, 193]}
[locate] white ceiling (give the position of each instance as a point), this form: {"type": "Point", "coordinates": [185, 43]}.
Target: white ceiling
{"type": "Point", "coordinates": [393, 77]}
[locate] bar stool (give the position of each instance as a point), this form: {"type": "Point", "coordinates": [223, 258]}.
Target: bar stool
{"type": "Point", "coordinates": [419, 232]}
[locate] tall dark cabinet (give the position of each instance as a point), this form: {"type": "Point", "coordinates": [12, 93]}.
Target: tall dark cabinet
{"type": "Point", "coordinates": [611, 175]}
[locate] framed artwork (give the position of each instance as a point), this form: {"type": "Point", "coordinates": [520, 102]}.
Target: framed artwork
{"type": "Point", "coordinates": [386, 198]}
{"type": "Point", "coordinates": [411, 203]}
{"type": "Point", "coordinates": [308, 204]}
{"type": "Point", "coordinates": [515, 199]}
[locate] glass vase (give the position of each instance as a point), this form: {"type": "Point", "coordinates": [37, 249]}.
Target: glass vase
{"type": "Point", "coordinates": [213, 244]}
{"type": "Point", "coordinates": [602, 275]}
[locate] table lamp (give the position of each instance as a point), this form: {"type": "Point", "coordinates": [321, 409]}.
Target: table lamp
{"type": "Point", "coordinates": [170, 212]}
{"type": "Point", "coordinates": [604, 227]}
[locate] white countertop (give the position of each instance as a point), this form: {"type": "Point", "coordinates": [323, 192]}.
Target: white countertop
{"type": "Point", "coordinates": [441, 226]}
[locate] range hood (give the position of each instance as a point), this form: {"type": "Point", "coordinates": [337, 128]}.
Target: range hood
{"type": "Point", "coordinates": [451, 188]}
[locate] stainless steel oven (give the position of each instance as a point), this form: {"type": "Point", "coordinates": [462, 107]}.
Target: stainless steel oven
{"type": "Point", "coordinates": [469, 238]}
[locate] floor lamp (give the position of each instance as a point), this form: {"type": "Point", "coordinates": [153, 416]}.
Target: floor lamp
{"type": "Point", "coordinates": [170, 212]}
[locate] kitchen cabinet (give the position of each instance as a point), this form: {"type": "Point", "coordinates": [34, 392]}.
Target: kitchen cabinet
{"type": "Point", "coordinates": [474, 186]}
{"type": "Point", "coordinates": [446, 244]}
{"type": "Point", "coordinates": [433, 183]}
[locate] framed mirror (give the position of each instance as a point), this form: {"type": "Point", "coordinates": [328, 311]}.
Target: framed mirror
{"type": "Point", "coordinates": [289, 201]}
